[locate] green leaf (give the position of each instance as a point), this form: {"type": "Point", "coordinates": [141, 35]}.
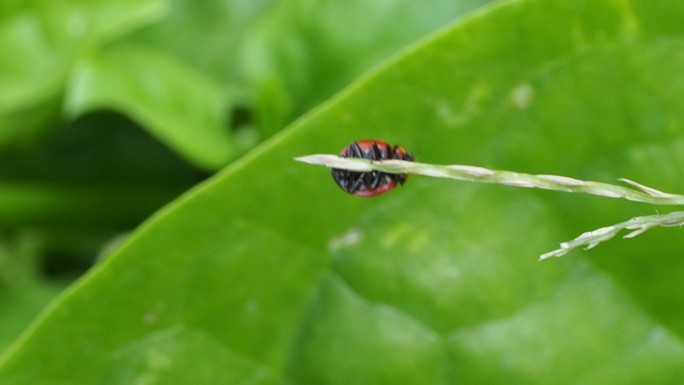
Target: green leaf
{"type": "Point", "coordinates": [179, 106]}
{"type": "Point", "coordinates": [99, 173]}
{"type": "Point", "coordinates": [269, 273]}
{"type": "Point", "coordinates": [186, 111]}
{"type": "Point", "coordinates": [282, 58]}
{"type": "Point", "coordinates": [40, 40]}
{"type": "Point", "coordinates": [214, 33]}
{"type": "Point", "coordinates": [22, 295]}
{"type": "Point", "coordinates": [293, 61]}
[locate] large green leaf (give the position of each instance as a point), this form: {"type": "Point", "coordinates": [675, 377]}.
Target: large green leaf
{"type": "Point", "coordinates": [179, 106]}
{"type": "Point", "coordinates": [39, 41]}
{"type": "Point", "coordinates": [270, 274]}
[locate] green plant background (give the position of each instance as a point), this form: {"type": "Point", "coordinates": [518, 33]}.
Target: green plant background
{"type": "Point", "coordinates": [266, 272]}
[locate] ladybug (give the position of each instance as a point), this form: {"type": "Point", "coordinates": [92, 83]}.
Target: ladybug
{"type": "Point", "coordinates": [370, 183]}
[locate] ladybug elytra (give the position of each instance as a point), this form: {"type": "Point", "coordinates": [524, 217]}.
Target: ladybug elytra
{"type": "Point", "coordinates": [370, 183]}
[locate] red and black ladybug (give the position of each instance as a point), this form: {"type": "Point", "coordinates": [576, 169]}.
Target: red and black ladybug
{"type": "Point", "coordinates": [370, 183]}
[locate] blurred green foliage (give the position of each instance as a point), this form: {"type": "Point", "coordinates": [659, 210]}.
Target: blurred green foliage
{"type": "Point", "coordinates": [267, 273]}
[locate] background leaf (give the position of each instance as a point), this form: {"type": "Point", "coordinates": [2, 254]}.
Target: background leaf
{"type": "Point", "coordinates": [269, 274]}
{"type": "Point", "coordinates": [39, 41]}
{"type": "Point", "coordinates": [178, 106]}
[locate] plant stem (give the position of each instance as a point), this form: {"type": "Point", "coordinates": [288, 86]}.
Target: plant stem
{"type": "Point", "coordinates": [637, 193]}
{"type": "Point", "coordinates": [638, 225]}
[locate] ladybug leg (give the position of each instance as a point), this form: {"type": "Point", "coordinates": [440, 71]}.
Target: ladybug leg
{"type": "Point", "coordinates": [374, 153]}
{"type": "Point", "coordinates": [381, 178]}
{"type": "Point", "coordinates": [355, 151]}
{"type": "Point", "coordinates": [373, 180]}
{"type": "Point", "coordinates": [396, 154]}
{"type": "Point", "coordinates": [385, 152]}
{"type": "Point", "coordinates": [366, 181]}
{"type": "Point", "coordinates": [400, 178]}
{"type": "Point", "coordinates": [357, 183]}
